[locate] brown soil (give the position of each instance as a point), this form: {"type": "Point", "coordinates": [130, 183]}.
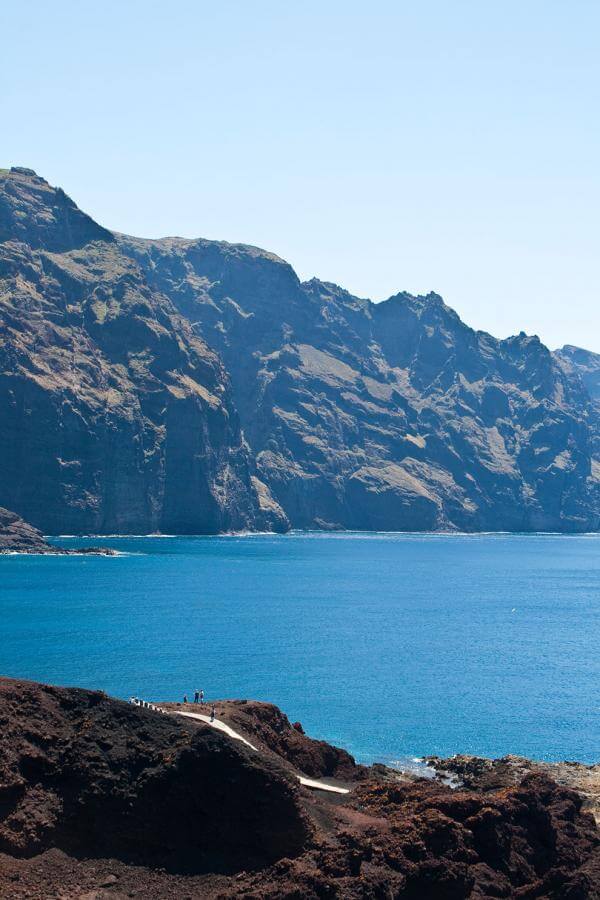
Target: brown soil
{"type": "Point", "coordinates": [101, 800]}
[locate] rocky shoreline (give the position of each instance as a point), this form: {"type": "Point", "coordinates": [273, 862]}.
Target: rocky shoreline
{"type": "Point", "coordinates": [479, 773]}
{"type": "Point", "coordinates": [18, 536]}
{"type": "Point", "coordinates": [102, 799]}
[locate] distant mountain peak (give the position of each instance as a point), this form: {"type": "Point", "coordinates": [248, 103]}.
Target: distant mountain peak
{"type": "Point", "coordinates": [42, 216]}
{"type": "Point", "coordinates": [22, 170]}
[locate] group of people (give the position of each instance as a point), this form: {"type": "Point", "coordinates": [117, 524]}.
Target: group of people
{"type": "Point", "coordinates": [199, 698]}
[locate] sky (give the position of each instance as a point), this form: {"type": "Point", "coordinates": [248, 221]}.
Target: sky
{"type": "Point", "coordinates": [385, 146]}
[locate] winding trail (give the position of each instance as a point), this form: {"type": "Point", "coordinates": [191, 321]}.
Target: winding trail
{"type": "Point", "coordinates": [220, 726]}
{"type": "Point", "coordinates": [313, 783]}
{"type": "Point", "coordinates": [321, 785]}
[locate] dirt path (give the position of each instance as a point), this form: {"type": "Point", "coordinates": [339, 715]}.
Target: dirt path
{"type": "Point", "coordinates": [312, 783]}
{"type": "Point", "coordinates": [215, 723]}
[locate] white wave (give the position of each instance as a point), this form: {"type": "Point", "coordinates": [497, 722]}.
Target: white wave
{"type": "Point", "coordinates": [336, 535]}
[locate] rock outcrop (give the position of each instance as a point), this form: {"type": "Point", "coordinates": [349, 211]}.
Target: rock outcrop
{"type": "Point", "coordinates": [115, 416]}
{"type": "Point", "coordinates": [269, 729]}
{"type": "Point", "coordinates": [393, 415]}
{"type": "Point", "coordinates": [100, 799]}
{"type": "Point", "coordinates": [18, 536]}
{"type": "Point", "coordinates": [194, 386]}
{"type": "Point", "coordinates": [94, 776]}
{"type": "Point", "coordinates": [477, 773]}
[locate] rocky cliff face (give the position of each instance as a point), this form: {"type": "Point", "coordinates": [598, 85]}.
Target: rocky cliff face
{"type": "Point", "coordinates": [585, 365]}
{"type": "Point", "coordinates": [115, 416]}
{"type": "Point", "coordinates": [198, 386]}
{"type": "Point", "coordinates": [384, 416]}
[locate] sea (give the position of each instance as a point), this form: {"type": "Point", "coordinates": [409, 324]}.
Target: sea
{"type": "Point", "coordinates": [394, 646]}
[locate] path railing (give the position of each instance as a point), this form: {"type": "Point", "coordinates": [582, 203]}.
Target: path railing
{"type": "Point", "coordinates": [136, 701]}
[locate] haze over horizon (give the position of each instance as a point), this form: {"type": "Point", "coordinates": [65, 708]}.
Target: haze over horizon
{"type": "Point", "coordinates": [445, 149]}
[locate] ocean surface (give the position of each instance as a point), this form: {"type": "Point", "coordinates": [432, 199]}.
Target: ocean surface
{"type": "Point", "coordinates": [393, 646]}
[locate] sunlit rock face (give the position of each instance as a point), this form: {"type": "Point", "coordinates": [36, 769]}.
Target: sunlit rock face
{"type": "Point", "coordinates": [193, 386]}
{"type": "Point", "coordinates": [393, 415]}
{"type": "Point", "coordinates": [115, 416]}
{"type": "Point", "coordinates": [585, 365]}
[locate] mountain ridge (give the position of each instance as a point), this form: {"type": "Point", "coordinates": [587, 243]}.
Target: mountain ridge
{"type": "Point", "coordinates": [244, 398]}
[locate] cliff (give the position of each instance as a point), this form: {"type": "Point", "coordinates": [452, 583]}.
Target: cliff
{"type": "Point", "coordinates": [106, 800]}
{"type": "Point", "coordinates": [393, 415]}
{"type": "Point", "coordinates": [585, 365]}
{"type": "Point", "coordinates": [194, 386]}
{"type": "Point", "coordinates": [116, 417]}
{"type": "Point", "coordinates": [18, 536]}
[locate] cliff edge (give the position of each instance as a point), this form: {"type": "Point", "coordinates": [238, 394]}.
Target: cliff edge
{"type": "Point", "coordinates": [101, 799]}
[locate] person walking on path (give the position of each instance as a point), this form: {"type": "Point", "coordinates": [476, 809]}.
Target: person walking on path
{"type": "Point", "coordinates": [212, 713]}
{"type": "Point", "coordinates": [201, 698]}
{"type": "Point", "coordinates": [196, 696]}
{"type": "Point", "coordinates": [185, 698]}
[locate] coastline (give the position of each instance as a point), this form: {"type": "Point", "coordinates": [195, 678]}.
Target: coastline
{"type": "Point", "coordinates": [337, 533]}
{"type": "Point", "coordinates": [22, 539]}
{"type": "Point", "coordinates": [158, 803]}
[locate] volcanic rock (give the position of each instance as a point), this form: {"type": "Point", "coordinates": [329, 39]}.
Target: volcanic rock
{"type": "Point", "coordinates": [116, 417]}
{"type": "Point", "coordinates": [101, 798]}
{"type": "Point", "coordinates": [194, 386]}
{"type": "Point", "coordinates": [477, 773]}
{"type": "Point", "coordinates": [18, 536]}
{"type": "Point", "coordinates": [98, 777]}
{"type": "Point", "coordinates": [266, 726]}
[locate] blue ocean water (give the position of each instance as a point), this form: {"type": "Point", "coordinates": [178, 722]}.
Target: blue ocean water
{"type": "Point", "coordinates": [391, 645]}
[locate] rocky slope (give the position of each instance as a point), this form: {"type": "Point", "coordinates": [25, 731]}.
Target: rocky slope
{"type": "Point", "coordinates": [18, 536]}
{"type": "Point", "coordinates": [267, 728]}
{"type": "Point", "coordinates": [384, 416]}
{"type": "Point", "coordinates": [195, 386]}
{"type": "Point", "coordinates": [100, 800]}
{"type": "Point", "coordinates": [88, 774]}
{"type": "Point", "coordinates": [115, 416]}
{"type": "Point", "coordinates": [585, 365]}
{"type": "Point", "coordinates": [477, 773]}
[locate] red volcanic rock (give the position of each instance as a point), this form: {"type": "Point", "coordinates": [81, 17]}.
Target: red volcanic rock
{"type": "Point", "coordinates": [96, 776]}
{"type": "Point", "coordinates": [100, 799]}
{"type": "Point", "coordinates": [528, 841]}
{"type": "Point", "coordinates": [265, 722]}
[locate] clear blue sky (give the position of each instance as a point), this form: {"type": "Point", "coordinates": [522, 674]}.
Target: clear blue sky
{"type": "Point", "coordinates": [447, 146]}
